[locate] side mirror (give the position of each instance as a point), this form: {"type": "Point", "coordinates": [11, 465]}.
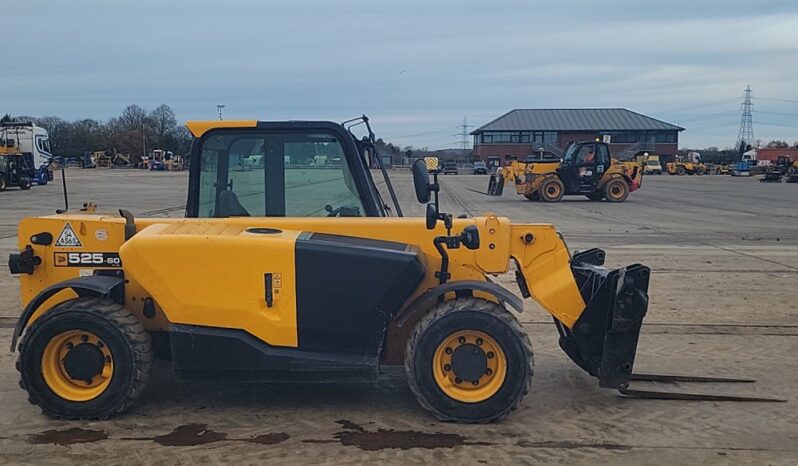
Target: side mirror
{"type": "Point", "coordinates": [432, 216]}
{"type": "Point", "coordinates": [470, 237]}
{"type": "Point", "coordinates": [421, 183]}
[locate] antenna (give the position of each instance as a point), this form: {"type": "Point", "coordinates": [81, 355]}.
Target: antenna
{"type": "Point", "coordinates": [219, 109]}
{"type": "Point", "coordinates": [746, 135]}
{"type": "Point", "coordinates": [66, 197]}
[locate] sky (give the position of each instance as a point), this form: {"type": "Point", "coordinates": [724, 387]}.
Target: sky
{"type": "Point", "coordinates": [417, 68]}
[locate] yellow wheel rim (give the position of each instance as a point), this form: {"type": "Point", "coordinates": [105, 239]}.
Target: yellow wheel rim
{"type": "Point", "coordinates": [469, 366]}
{"type": "Point", "coordinates": [616, 190]}
{"type": "Point", "coordinates": [77, 365]}
{"type": "Point", "coordinates": [553, 190]}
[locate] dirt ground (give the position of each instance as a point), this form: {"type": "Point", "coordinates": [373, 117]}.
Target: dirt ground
{"type": "Point", "coordinates": [724, 258]}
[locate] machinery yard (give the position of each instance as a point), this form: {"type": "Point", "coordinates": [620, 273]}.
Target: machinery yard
{"type": "Point", "coordinates": [722, 302]}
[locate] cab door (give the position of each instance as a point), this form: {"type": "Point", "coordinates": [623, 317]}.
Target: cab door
{"type": "Point", "coordinates": [603, 161]}
{"type": "Point", "coordinates": [581, 175]}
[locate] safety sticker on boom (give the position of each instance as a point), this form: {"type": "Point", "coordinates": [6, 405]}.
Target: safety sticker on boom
{"type": "Point", "coordinates": [87, 259]}
{"type": "Point", "coordinates": [68, 238]}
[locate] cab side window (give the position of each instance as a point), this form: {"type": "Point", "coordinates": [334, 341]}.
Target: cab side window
{"type": "Point", "coordinates": [603, 155]}
{"type": "Point", "coordinates": [586, 155]}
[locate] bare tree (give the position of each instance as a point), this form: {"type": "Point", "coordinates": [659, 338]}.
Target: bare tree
{"type": "Point", "coordinates": [163, 123]}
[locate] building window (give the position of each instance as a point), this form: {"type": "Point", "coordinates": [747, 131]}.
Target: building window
{"type": "Point", "coordinates": [664, 137]}
{"type": "Point", "coordinates": [622, 137]}
{"type": "Point", "coordinates": [517, 137]}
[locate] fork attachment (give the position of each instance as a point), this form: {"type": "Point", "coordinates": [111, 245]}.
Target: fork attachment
{"type": "Point", "coordinates": [669, 395]}
{"type": "Point", "coordinates": [603, 341]}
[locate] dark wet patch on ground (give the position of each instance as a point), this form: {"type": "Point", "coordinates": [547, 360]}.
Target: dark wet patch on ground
{"type": "Point", "coordinates": [350, 425]}
{"type": "Point", "coordinates": [399, 439]}
{"type": "Point", "coordinates": [267, 439]}
{"type": "Point", "coordinates": [190, 435]}
{"type": "Point", "coordinates": [572, 445]}
{"type": "Point", "coordinates": [66, 437]}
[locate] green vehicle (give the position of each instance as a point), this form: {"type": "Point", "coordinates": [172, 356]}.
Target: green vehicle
{"type": "Point", "coordinates": [15, 170]}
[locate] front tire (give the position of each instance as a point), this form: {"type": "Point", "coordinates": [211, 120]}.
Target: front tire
{"type": "Point", "coordinates": [469, 360]}
{"type": "Point", "coordinates": [87, 358]}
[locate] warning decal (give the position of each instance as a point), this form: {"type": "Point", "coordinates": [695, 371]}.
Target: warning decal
{"type": "Point", "coordinates": [68, 238]}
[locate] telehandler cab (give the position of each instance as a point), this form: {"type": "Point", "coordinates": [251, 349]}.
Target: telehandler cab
{"type": "Point", "coordinates": [299, 271]}
{"type": "Point", "coordinates": [586, 168]}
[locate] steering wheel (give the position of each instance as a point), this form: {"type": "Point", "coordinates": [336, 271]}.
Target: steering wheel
{"type": "Point", "coordinates": [343, 211]}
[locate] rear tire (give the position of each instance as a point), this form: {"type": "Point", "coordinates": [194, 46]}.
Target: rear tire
{"type": "Point", "coordinates": [616, 190]}
{"type": "Point", "coordinates": [491, 349]}
{"type": "Point", "coordinates": [109, 367]}
{"type": "Point", "coordinates": [680, 171]}
{"type": "Point", "coordinates": [551, 189]}
{"type": "Point", "coordinates": [2, 184]}
{"type": "Point", "coordinates": [25, 185]}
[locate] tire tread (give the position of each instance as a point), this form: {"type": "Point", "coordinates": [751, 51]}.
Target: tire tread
{"type": "Point", "coordinates": [461, 305]}
{"type": "Point", "coordinates": [137, 338]}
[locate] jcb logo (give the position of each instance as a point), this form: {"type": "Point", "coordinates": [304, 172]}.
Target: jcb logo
{"type": "Point", "coordinates": [82, 259]}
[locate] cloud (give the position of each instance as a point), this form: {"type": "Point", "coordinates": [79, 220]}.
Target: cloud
{"type": "Point", "coordinates": [413, 66]}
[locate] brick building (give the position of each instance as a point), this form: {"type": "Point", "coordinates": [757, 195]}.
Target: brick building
{"type": "Point", "coordinates": [518, 133]}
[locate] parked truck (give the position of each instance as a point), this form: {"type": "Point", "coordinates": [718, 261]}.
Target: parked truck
{"type": "Point", "coordinates": [34, 144]}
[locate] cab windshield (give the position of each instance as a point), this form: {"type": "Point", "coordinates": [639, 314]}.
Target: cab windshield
{"type": "Point", "coordinates": [276, 174]}
{"type": "Point", "coordinates": [568, 156]}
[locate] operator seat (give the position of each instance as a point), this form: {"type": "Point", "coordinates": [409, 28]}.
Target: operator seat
{"type": "Point", "coordinates": [229, 205]}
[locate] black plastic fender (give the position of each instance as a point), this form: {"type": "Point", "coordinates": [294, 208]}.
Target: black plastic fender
{"type": "Point", "coordinates": [94, 285]}
{"type": "Point", "coordinates": [423, 302]}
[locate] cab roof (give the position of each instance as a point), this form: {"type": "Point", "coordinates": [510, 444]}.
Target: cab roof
{"type": "Point", "coordinates": [198, 128]}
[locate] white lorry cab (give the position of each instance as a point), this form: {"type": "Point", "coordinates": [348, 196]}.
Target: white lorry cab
{"type": "Point", "coordinates": [33, 143]}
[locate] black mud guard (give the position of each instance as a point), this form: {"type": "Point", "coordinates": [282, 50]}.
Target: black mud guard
{"type": "Point", "coordinates": [94, 285]}
{"type": "Point", "coordinates": [423, 302]}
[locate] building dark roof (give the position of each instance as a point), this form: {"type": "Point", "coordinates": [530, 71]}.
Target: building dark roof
{"type": "Point", "coordinates": [575, 119]}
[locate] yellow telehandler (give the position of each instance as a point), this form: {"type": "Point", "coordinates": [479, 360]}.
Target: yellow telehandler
{"type": "Point", "coordinates": [586, 168]}
{"type": "Point", "coordinates": [689, 164]}
{"type": "Point", "coordinates": [250, 286]}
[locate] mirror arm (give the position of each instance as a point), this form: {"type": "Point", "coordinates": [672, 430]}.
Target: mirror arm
{"type": "Point", "coordinates": [443, 275]}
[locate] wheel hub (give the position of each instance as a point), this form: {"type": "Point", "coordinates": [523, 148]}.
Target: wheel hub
{"type": "Point", "coordinates": [84, 361]}
{"type": "Point", "coordinates": [469, 362]}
